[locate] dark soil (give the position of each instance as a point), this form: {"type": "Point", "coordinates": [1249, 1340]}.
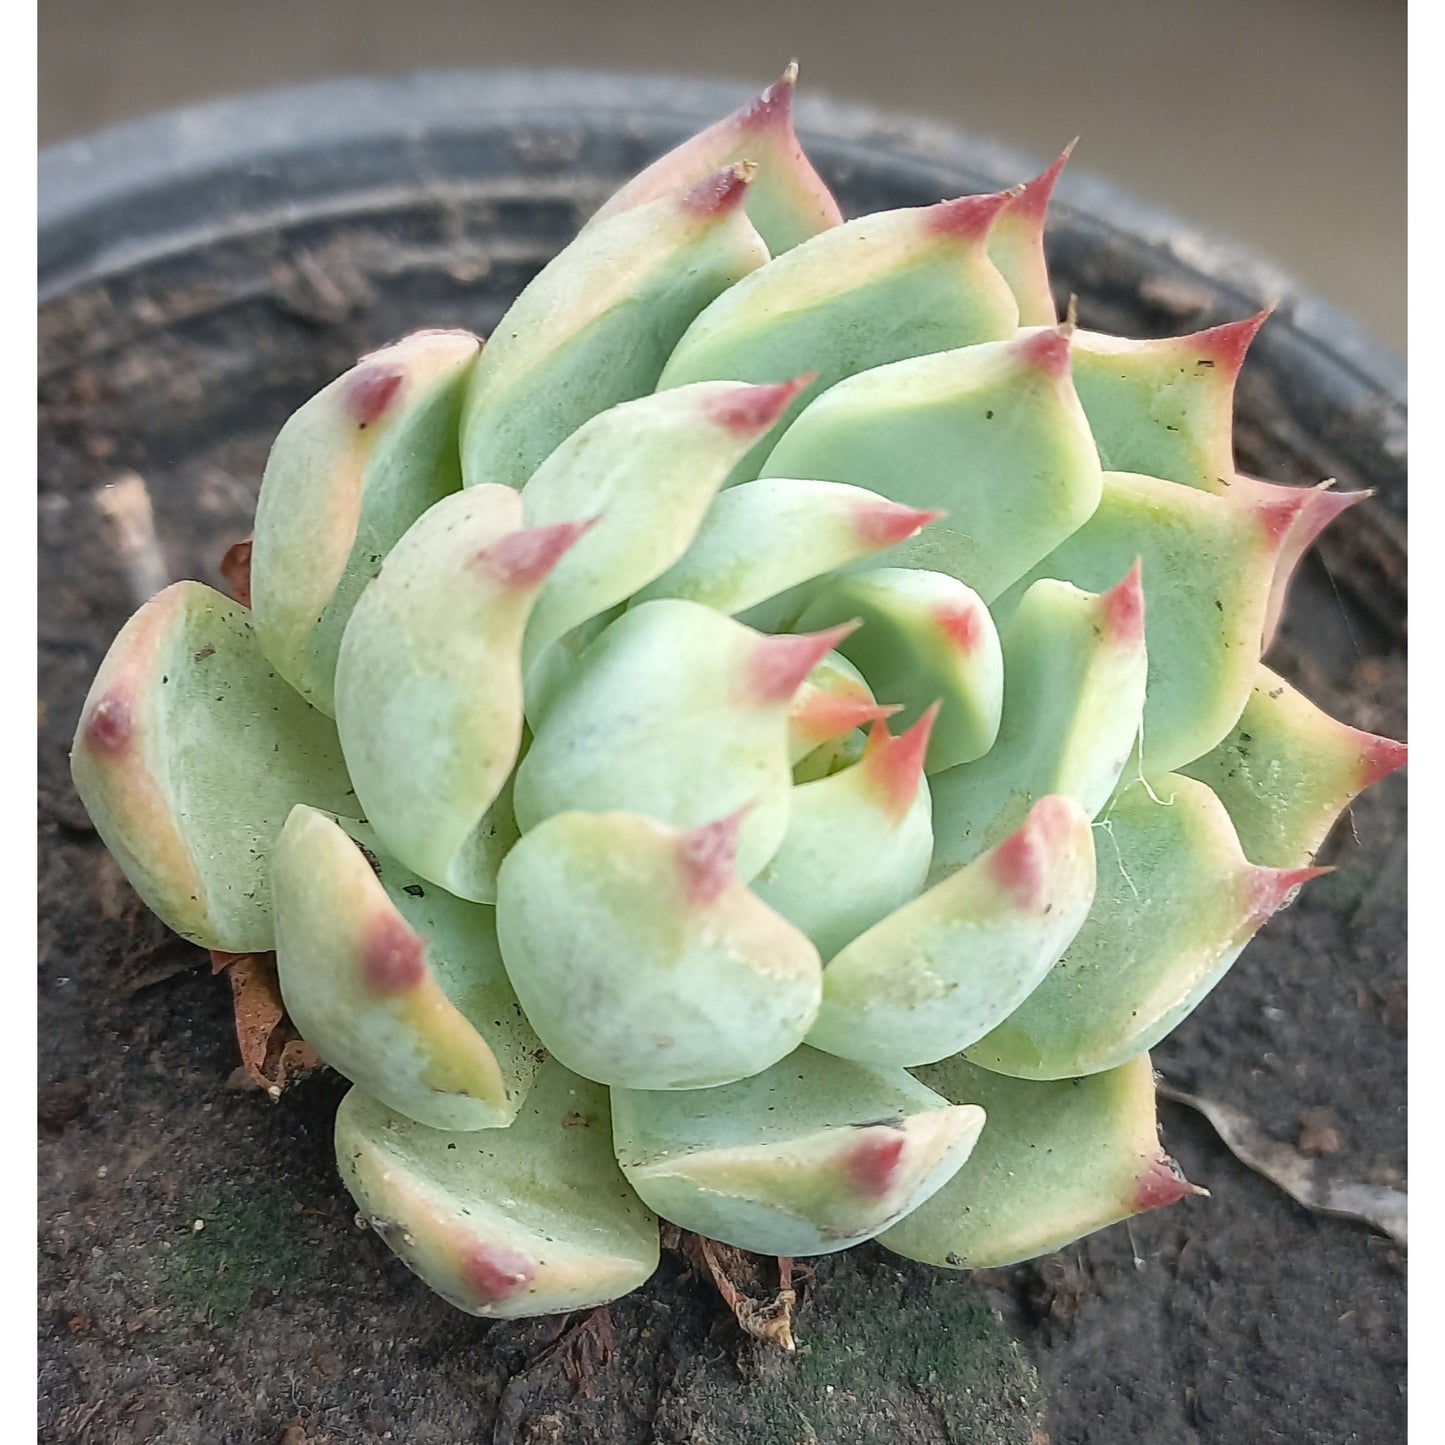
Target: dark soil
{"type": "Point", "coordinates": [201, 1276]}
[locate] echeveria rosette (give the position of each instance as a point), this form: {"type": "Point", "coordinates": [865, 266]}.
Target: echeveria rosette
{"type": "Point", "coordinates": [771, 740]}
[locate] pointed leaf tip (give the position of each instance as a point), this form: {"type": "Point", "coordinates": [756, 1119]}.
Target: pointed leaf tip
{"type": "Point", "coordinates": [773, 106]}
{"type": "Point", "coordinates": [1124, 608]}
{"type": "Point", "coordinates": [1227, 345]}
{"type": "Point", "coordinates": [1021, 863]}
{"type": "Point", "coordinates": [821, 716]}
{"type": "Point", "coordinates": [1032, 198]}
{"type": "Point", "coordinates": [393, 956]}
{"type": "Point", "coordinates": [370, 391]}
{"type": "Point", "coordinates": [779, 664]}
{"type": "Point", "coordinates": [1162, 1183]}
{"type": "Point", "coordinates": [1047, 351]}
{"type": "Point", "coordinates": [708, 857]}
{"type": "Point", "coordinates": [1272, 889]}
{"type": "Point", "coordinates": [523, 559]}
{"type": "Point", "coordinates": [1380, 758]}
{"type": "Point", "coordinates": [872, 1165]}
{"type": "Point", "coordinates": [721, 192]}
{"type": "Point", "coordinates": [885, 524]}
{"type": "Point", "coordinates": [109, 728]}
{"type": "Point", "coordinates": [495, 1272]}
{"type": "Point", "coordinates": [962, 625]}
{"type": "Point", "coordinates": [754, 409]}
{"type": "Point", "coordinates": [969, 218]}
{"type": "Point", "coordinates": [895, 765]}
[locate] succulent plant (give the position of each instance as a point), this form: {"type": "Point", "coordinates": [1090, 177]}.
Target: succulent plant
{"type": "Point", "coordinates": [770, 741]}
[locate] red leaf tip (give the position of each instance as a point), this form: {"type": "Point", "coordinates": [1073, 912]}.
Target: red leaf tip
{"type": "Point", "coordinates": [1031, 200]}
{"type": "Point", "coordinates": [1020, 863]}
{"type": "Point", "coordinates": [1379, 758]}
{"type": "Point", "coordinates": [1227, 345]}
{"type": "Point", "coordinates": [392, 956]}
{"type": "Point", "coordinates": [1047, 351]}
{"type": "Point", "coordinates": [750, 410]}
{"type": "Point", "coordinates": [1161, 1184]}
{"type": "Point", "coordinates": [895, 765]}
{"type": "Point", "coordinates": [524, 558]}
{"type": "Point", "coordinates": [871, 1166]}
{"type": "Point", "coordinates": [495, 1272]}
{"type": "Point", "coordinates": [1124, 608]}
{"type": "Point", "coordinates": [884, 524]}
{"type": "Point", "coordinates": [721, 192]}
{"type": "Point", "coordinates": [707, 856]}
{"type": "Point", "coordinates": [1271, 889]}
{"type": "Point", "coordinates": [961, 623]}
{"type": "Point", "coordinates": [773, 106]}
{"type": "Point", "coordinates": [109, 728]}
{"type": "Point", "coordinates": [819, 715]}
{"type": "Point", "coordinates": [370, 389]}
{"type": "Point", "coordinates": [967, 218]}
{"type": "Point", "coordinates": [779, 664]}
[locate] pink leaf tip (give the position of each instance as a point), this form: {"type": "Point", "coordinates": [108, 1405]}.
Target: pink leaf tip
{"type": "Point", "coordinates": [1161, 1184]}
{"type": "Point", "coordinates": [496, 1273]}
{"type": "Point", "coordinates": [109, 728]}
{"type": "Point", "coordinates": [707, 856]}
{"type": "Point", "coordinates": [885, 524]}
{"type": "Point", "coordinates": [523, 559]}
{"type": "Point", "coordinates": [961, 624]}
{"type": "Point", "coordinates": [818, 715]}
{"type": "Point", "coordinates": [721, 192]}
{"type": "Point", "coordinates": [895, 765]}
{"type": "Point", "coordinates": [774, 105]}
{"type": "Point", "coordinates": [1271, 889]}
{"type": "Point", "coordinates": [967, 218]}
{"type": "Point", "coordinates": [1047, 351]}
{"type": "Point", "coordinates": [1020, 864]}
{"type": "Point", "coordinates": [751, 410]}
{"type": "Point", "coordinates": [871, 1166]}
{"type": "Point", "coordinates": [1124, 608]}
{"type": "Point", "coordinates": [369, 391]}
{"type": "Point", "coordinates": [779, 664]}
{"type": "Point", "coordinates": [1226, 346]}
{"type": "Point", "coordinates": [1379, 758]}
{"type": "Point", "coordinates": [392, 956]}
{"type": "Point", "coordinates": [1031, 200]}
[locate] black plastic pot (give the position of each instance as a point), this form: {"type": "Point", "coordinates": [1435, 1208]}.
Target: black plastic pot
{"type": "Point", "coordinates": [201, 273]}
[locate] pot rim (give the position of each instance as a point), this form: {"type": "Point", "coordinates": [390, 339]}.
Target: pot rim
{"type": "Point", "coordinates": [138, 191]}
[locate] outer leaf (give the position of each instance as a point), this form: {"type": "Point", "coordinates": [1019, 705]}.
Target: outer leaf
{"type": "Point", "coordinates": [1288, 770]}
{"type": "Point", "coordinates": [1165, 408]}
{"type": "Point", "coordinates": [1016, 244]}
{"type": "Point", "coordinates": [597, 324]}
{"type": "Point", "coordinates": [640, 958]}
{"type": "Point", "coordinates": [530, 1220]}
{"type": "Point", "coordinates": [1207, 566]}
{"type": "Point", "coordinates": [680, 714]}
{"type": "Point", "coordinates": [939, 973]}
{"type": "Point", "coordinates": [992, 434]}
{"type": "Point", "coordinates": [1176, 903]}
{"type": "Point", "coordinates": [1306, 511]}
{"type": "Point", "coordinates": [348, 474]}
{"type": "Point", "coordinates": [886, 286]}
{"type": "Point", "coordinates": [762, 539]}
{"type": "Point", "coordinates": [1057, 1161]}
{"type": "Point", "coordinates": [429, 688]}
{"type": "Point", "coordinates": [1074, 669]}
{"type": "Point", "coordinates": [189, 754]}
{"type": "Point", "coordinates": [925, 638]}
{"type": "Point", "coordinates": [810, 1157]}
{"type": "Point", "coordinates": [787, 202]}
{"type": "Point", "coordinates": [881, 807]}
{"type": "Point", "coordinates": [395, 983]}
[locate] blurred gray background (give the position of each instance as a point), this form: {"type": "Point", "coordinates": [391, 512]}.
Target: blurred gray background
{"type": "Point", "coordinates": [1277, 123]}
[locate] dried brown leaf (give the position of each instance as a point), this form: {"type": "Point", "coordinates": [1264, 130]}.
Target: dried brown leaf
{"type": "Point", "coordinates": [1303, 1179]}
{"type": "Point", "coordinates": [763, 1310]}
{"type": "Point", "coordinates": [273, 1054]}
{"type": "Point", "coordinates": [235, 567]}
